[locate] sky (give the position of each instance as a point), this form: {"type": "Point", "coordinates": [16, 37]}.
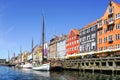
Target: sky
{"type": "Point", "coordinates": [21, 20]}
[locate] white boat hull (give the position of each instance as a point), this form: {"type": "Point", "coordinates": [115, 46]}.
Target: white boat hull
{"type": "Point", "coordinates": [28, 65]}
{"type": "Point", "coordinates": [42, 67]}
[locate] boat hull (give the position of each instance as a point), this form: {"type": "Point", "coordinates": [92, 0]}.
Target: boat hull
{"type": "Point", "coordinates": [42, 67]}
{"type": "Point", "coordinates": [28, 65]}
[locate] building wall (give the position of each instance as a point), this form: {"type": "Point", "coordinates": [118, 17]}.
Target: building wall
{"type": "Point", "coordinates": [72, 42]}
{"type": "Point", "coordinates": [53, 48]}
{"type": "Point", "coordinates": [88, 38]}
{"type": "Point", "coordinates": [61, 47]}
{"type": "Point", "coordinates": [2, 61]}
{"type": "Point", "coordinates": [109, 28]}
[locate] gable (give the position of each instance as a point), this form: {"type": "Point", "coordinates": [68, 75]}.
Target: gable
{"type": "Point", "coordinates": [116, 9]}
{"type": "Point", "coordinates": [73, 32]}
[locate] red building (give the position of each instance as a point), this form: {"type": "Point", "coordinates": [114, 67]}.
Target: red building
{"type": "Point", "coordinates": [72, 42]}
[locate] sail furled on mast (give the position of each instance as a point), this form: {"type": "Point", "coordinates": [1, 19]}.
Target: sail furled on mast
{"type": "Point", "coordinates": [43, 37]}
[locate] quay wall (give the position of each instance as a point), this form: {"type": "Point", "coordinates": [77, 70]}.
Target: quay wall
{"type": "Point", "coordinates": [94, 64]}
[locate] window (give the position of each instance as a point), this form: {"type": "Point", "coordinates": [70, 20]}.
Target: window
{"type": "Point", "coordinates": [93, 28]}
{"type": "Point", "coordinates": [117, 26]}
{"type": "Point", "coordinates": [111, 47]}
{"type": "Point", "coordinates": [105, 39]}
{"type": "Point", "coordinates": [80, 39]}
{"type": "Point", "coordinates": [100, 32]}
{"type": "Point", "coordinates": [88, 30]}
{"type": "Point", "coordinates": [110, 38]}
{"type": "Point", "coordinates": [93, 44]}
{"type": "Point", "coordinates": [105, 21]}
{"type": "Point", "coordinates": [110, 10]}
{"type": "Point", "coordinates": [111, 19]}
{"type": "Point", "coordinates": [117, 36]}
{"type": "Point", "coordinates": [118, 16]}
{"type": "Point", "coordinates": [111, 28]}
{"type": "Point", "coordinates": [100, 49]}
{"type": "Point", "coordinates": [88, 46]}
{"type": "Point", "coordinates": [105, 30]}
{"type": "Point", "coordinates": [84, 38]}
{"type": "Point", "coordinates": [93, 35]}
{"type": "Point", "coordinates": [84, 32]}
{"type": "Point", "coordinates": [100, 41]}
{"type": "Point", "coordinates": [88, 37]}
{"type": "Point", "coordinates": [105, 47]}
{"type": "Point", "coordinates": [117, 46]}
{"type": "Point", "coordinates": [100, 23]}
{"type": "Point", "coordinates": [81, 33]}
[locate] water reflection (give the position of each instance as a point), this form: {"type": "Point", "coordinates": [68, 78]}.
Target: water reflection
{"type": "Point", "coordinates": [76, 75]}
{"type": "Point", "coordinates": [7, 73]}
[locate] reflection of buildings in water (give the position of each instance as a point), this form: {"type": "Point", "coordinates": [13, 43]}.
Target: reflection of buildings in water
{"type": "Point", "coordinates": [64, 75]}
{"type": "Point", "coordinates": [77, 75]}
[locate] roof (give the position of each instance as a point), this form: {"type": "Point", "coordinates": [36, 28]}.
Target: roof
{"type": "Point", "coordinates": [88, 25]}
{"type": "Point", "coordinates": [75, 31]}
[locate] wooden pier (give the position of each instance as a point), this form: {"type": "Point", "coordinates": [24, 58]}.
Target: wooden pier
{"type": "Point", "coordinates": [110, 64]}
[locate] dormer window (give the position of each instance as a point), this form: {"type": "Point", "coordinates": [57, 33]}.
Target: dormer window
{"type": "Point", "coordinates": [110, 10]}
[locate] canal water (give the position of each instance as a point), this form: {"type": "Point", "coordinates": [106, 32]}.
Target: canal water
{"type": "Point", "coordinates": [11, 73]}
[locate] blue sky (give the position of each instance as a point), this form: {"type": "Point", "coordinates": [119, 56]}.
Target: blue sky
{"type": "Point", "coordinates": [21, 20]}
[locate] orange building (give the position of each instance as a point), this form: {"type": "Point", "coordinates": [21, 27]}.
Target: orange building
{"type": "Point", "coordinates": [72, 42]}
{"type": "Point", "coordinates": [108, 34]}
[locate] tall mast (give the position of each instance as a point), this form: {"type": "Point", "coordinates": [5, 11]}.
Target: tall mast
{"type": "Point", "coordinates": [32, 48]}
{"type": "Point", "coordinates": [21, 53]}
{"type": "Point", "coordinates": [42, 37]}
{"type": "Point", "coordinates": [8, 56]}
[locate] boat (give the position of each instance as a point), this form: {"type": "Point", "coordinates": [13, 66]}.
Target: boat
{"type": "Point", "coordinates": [42, 66]}
{"type": "Point", "coordinates": [27, 65]}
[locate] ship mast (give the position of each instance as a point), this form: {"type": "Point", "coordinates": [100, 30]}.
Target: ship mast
{"type": "Point", "coordinates": [32, 49]}
{"type": "Point", "coordinates": [8, 57]}
{"type": "Point", "coordinates": [21, 54]}
{"type": "Point", "coordinates": [42, 38]}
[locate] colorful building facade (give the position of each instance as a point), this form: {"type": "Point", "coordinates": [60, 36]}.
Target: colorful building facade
{"type": "Point", "coordinates": [72, 42]}
{"type": "Point", "coordinates": [61, 46]}
{"type": "Point", "coordinates": [109, 28]}
{"type": "Point", "coordinates": [88, 38]}
{"type": "Point", "coordinates": [53, 48]}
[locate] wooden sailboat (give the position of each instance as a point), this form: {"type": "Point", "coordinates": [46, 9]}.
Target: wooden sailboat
{"type": "Point", "coordinates": [28, 64]}
{"type": "Point", "coordinates": [42, 66]}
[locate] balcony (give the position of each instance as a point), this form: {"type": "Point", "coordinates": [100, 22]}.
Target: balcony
{"type": "Point", "coordinates": [110, 23]}
{"type": "Point", "coordinates": [110, 40]}
{"type": "Point", "coordinates": [110, 14]}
